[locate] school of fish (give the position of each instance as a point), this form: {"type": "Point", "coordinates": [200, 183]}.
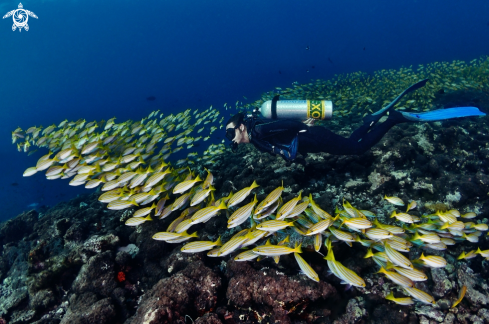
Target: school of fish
{"type": "Point", "coordinates": [357, 94]}
{"type": "Point", "coordinates": [132, 164]}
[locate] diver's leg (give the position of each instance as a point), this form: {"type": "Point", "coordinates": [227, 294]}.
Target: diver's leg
{"type": "Point", "coordinates": [369, 121]}
{"type": "Point", "coordinates": [374, 118]}
{"type": "Point", "coordinates": [361, 131]}
{"type": "Point", "coordinates": [367, 140]}
{"type": "Point", "coordinates": [320, 139]}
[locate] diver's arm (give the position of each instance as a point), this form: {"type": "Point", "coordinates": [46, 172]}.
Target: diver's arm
{"type": "Point", "coordinates": [267, 147]}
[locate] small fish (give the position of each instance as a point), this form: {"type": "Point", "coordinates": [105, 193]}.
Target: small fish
{"type": "Point", "coordinates": [469, 215]}
{"type": "Point", "coordinates": [397, 258]}
{"type": "Point", "coordinates": [433, 261]}
{"type": "Point", "coordinates": [30, 171]}
{"type": "Point", "coordinates": [209, 180]}
{"type": "Point", "coordinates": [341, 235]}
{"type": "Point", "coordinates": [306, 268]}
{"type": "Point", "coordinates": [420, 295]}
{"type": "Point", "coordinates": [319, 227]}
{"type": "Point", "coordinates": [185, 185]}
{"type": "Point", "coordinates": [400, 301]}
{"type": "Point", "coordinates": [317, 209]}
{"type": "Point", "coordinates": [394, 200]}
{"type": "Point", "coordinates": [254, 236]}
{"type": "Point", "coordinates": [346, 275]}
{"type": "Point", "coordinates": [199, 246]}
{"type": "Point", "coordinates": [241, 214]}
{"type": "Point", "coordinates": [241, 195]}
{"type": "Point", "coordinates": [232, 245]}
{"type": "Point", "coordinates": [454, 212]}
{"type": "Point", "coordinates": [44, 164]}
{"type": "Point", "coordinates": [273, 225]}
{"type": "Point", "coordinates": [480, 227]}
{"type": "Point", "coordinates": [180, 201]}
{"type": "Point", "coordinates": [466, 256]}
{"type": "Point", "coordinates": [95, 183]}
{"type": "Point", "coordinates": [446, 217]}
{"type": "Point", "coordinates": [378, 234]}
{"type": "Point", "coordinates": [473, 237]}
{"type": "Point", "coordinates": [183, 225]}
{"type": "Point", "coordinates": [484, 253]}
{"type": "Point", "coordinates": [121, 204]}
{"type": "Point", "coordinates": [287, 208]}
{"type": "Point", "coordinates": [427, 238]}
{"type": "Point", "coordinates": [318, 238]}
{"type": "Point", "coordinates": [126, 177]}
{"type": "Point", "coordinates": [411, 205]}
{"type": "Point", "coordinates": [155, 178]}
{"type": "Point", "coordinates": [461, 295]}
{"type": "Point", "coordinates": [298, 209]}
{"type": "Point", "coordinates": [201, 195]}
{"type": "Point", "coordinates": [207, 213]}
{"type": "Point", "coordinates": [397, 278]}
{"type": "Point", "coordinates": [390, 228]}
{"type": "Point", "coordinates": [272, 250]}
{"type": "Point", "coordinates": [112, 195]}
{"type": "Point", "coordinates": [165, 236]}
{"type": "Point", "coordinates": [458, 225]}
{"type": "Point", "coordinates": [447, 241]}
{"type": "Point", "coordinates": [135, 221]}
{"type": "Point", "coordinates": [270, 199]}
{"type": "Point", "coordinates": [246, 256]}
{"type": "Point", "coordinates": [413, 274]}
{"type": "Point", "coordinates": [143, 211]}
{"type": "Point", "coordinates": [403, 217]}
{"type": "Point", "coordinates": [357, 223]}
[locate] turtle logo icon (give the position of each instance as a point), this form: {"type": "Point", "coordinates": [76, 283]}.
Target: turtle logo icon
{"type": "Point", "coordinates": [20, 17]}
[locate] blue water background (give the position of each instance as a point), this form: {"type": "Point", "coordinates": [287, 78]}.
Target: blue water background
{"type": "Point", "coordinates": [100, 59]}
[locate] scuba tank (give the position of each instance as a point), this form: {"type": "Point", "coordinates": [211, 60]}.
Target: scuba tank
{"type": "Point", "coordinates": [296, 109]}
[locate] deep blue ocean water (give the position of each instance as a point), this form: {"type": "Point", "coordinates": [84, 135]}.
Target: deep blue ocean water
{"type": "Point", "coordinates": [96, 60]}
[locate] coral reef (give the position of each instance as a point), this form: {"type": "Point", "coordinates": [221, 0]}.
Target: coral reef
{"type": "Point", "coordinates": [65, 267]}
{"type": "Point", "coordinates": [79, 263]}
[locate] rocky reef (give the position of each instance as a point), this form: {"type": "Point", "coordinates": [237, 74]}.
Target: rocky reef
{"type": "Point", "coordinates": [78, 263]}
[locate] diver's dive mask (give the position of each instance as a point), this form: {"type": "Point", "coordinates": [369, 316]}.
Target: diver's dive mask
{"type": "Point", "coordinates": [230, 134]}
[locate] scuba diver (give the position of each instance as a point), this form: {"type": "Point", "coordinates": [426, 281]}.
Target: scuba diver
{"type": "Point", "coordinates": [287, 137]}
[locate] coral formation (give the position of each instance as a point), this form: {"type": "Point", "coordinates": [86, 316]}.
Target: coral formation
{"type": "Point", "coordinates": [66, 266]}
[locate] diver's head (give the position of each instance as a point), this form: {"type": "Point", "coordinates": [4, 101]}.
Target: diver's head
{"type": "Point", "coordinates": [236, 130]}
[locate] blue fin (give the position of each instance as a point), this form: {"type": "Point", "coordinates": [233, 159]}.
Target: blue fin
{"type": "Point", "coordinates": [443, 114]}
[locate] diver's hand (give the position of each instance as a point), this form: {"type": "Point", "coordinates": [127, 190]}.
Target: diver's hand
{"type": "Point", "coordinates": [310, 122]}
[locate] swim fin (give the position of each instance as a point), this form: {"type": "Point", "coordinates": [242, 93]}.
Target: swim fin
{"type": "Point", "coordinates": [442, 114]}
{"type": "Point", "coordinates": [375, 117]}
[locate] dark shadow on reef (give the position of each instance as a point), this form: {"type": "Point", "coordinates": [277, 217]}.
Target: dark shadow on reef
{"type": "Point", "coordinates": [78, 263]}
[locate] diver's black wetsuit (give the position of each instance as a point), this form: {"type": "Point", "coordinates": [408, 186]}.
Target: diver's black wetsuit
{"type": "Point", "coordinates": [287, 137]}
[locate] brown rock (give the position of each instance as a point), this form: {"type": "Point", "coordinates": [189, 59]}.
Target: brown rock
{"type": "Point", "coordinates": [253, 288]}
{"type": "Point", "coordinates": [191, 291]}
